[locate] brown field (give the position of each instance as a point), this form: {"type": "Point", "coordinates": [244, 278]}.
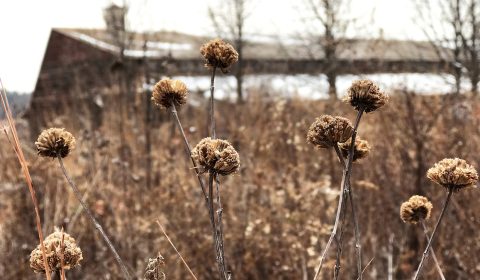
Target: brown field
{"type": "Point", "coordinates": [278, 209]}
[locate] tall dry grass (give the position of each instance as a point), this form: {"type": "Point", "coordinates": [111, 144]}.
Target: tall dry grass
{"type": "Point", "coordinates": [280, 206]}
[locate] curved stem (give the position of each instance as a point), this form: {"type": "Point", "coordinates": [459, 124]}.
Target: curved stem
{"type": "Point", "coordinates": [188, 149]}
{"type": "Point", "coordinates": [345, 178]}
{"type": "Point", "coordinates": [430, 241]}
{"type": "Point", "coordinates": [94, 221]}
{"type": "Point", "coordinates": [434, 257]}
{"type": "Point", "coordinates": [334, 230]}
{"type": "Point", "coordinates": [208, 197]}
{"type": "Point", "coordinates": [358, 245]}
{"type": "Point", "coordinates": [212, 103]}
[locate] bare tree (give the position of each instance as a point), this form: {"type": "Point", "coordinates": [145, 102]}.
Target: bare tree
{"type": "Point", "coordinates": [229, 22]}
{"type": "Point", "coordinates": [453, 28]}
{"type": "Point", "coordinates": [329, 26]}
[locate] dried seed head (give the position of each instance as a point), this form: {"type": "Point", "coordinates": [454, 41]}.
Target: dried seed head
{"type": "Point", "coordinates": [327, 130]}
{"type": "Point", "coordinates": [453, 173]}
{"type": "Point", "coordinates": [360, 150]}
{"type": "Point", "coordinates": [216, 155]}
{"type": "Point", "coordinates": [72, 255]}
{"type": "Point", "coordinates": [416, 208]}
{"type": "Point", "coordinates": [365, 94]}
{"type": "Point", "coordinates": [167, 91]}
{"type": "Point", "coordinates": [55, 141]}
{"type": "Point", "coordinates": [154, 270]}
{"type": "Point", "coordinates": [218, 53]}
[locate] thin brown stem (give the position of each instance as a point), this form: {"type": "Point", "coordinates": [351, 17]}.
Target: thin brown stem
{"type": "Point", "coordinates": [62, 257]}
{"type": "Point", "coordinates": [23, 163]}
{"type": "Point", "coordinates": [97, 225]}
{"type": "Point", "coordinates": [345, 180]}
{"type": "Point", "coordinates": [358, 245]}
{"type": "Point", "coordinates": [434, 257]}
{"type": "Point", "coordinates": [212, 103]}
{"type": "Point", "coordinates": [221, 246]}
{"type": "Point", "coordinates": [349, 191]}
{"type": "Point", "coordinates": [189, 150]}
{"type": "Point", "coordinates": [339, 240]}
{"type": "Point", "coordinates": [207, 196]}
{"type": "Point", "coordinates": [216, 242]}
{"type": "Point", "coordinates": [175, 248]}
{"type": "Point", "coordinates": [335, 227]}
{"type": "Point", "coordinates": [430, 241]}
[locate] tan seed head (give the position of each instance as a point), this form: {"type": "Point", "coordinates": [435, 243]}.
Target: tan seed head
{"type": "Point", "coordinates": [216, 155]}
{"type": "Point", "coordinates": [360, 150]}
{"type": "Point", "coordinates": [167, 91]}
{"type": "Point", "coordinates": [72, 254]}
{"type": "Point", "coordinates": [366, 95]}
{"type": "Point", "coordinates": [415, 209]}
{"type": "Point", "coordinates": [218, 53]}
{"type": "Point", "coordinates": [453, 173]}
{"type": "Point", "coordinates": [327, 130]}
{"type": "Point", "coordinates": [55, 142]}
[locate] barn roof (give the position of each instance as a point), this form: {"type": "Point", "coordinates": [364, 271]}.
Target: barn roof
{"type": "Point", "coordinates": [186, 46]}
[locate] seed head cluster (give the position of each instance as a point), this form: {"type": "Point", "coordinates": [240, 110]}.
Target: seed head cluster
{"type": "Point", "coordinates": [366, 95]}
{"type": "Point", "coordinates": [216, 155]}
{"type": "Point", "coordinates": [167, 91]}
{"type": "Point", "coordinates": [415, 209]}
{"type": "Point", "coordinates": [55, 142]}
{"type": "Point", "coordinates": [453, 173]}
{"type": "Point", "coordinates": [360, 149]}
{"type": "Point", "coordinates": [218, 53]}
{"type": "Point", "coordinates": [154, 270]}
{"type": "Point", "coordinates": [72, 254]}
{"type": "Point", "coordinates": [328, 130]}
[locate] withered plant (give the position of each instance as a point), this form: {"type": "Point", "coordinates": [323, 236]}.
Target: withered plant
{"type": "Point", "coordinates": [58, 143]}
{"type": "Point", "coordinates": [454, 175]}
{"type": "Point", "coordinates": [213, 156]}
{"type": "Point", "coordinates": [328, 132]}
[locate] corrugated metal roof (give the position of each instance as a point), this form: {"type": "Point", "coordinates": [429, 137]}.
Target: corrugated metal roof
{"type": "Point", "coordinates": [185, 46]}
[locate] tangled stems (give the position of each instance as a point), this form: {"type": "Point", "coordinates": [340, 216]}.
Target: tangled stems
{"type": "Point", "coordinates": [217, 227]}
{"type": "Point", "coordinates": [434, 257]}
{"type": "Point", "coordinates": [430, 241]}
{"type": "Point", "coordinates": [216, 231]}
{"type": "Point", "coordinates": [94, 221]}
{"type": "Point", "coordinates": [347, 170]}
{"type": "Point", "coordinates": [15, 142]}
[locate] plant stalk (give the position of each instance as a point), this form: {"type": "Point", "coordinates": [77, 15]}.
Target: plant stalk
{"type": "Point", "coordinates": [430, 241]}
{"type": "Point", "coordinates": [23, 163]}
{"type": "Point", "coordinates": [434, 257]}
{"type": "Point", "coordinates": [212, 103]}
{"type": "Point", "coordinates": [94, 221]}
{"type": "Point", "coordinates": [345, 178]}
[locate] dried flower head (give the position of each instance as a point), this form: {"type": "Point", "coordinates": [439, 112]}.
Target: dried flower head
{"type": "Point", "coordinates": [55, 142]}
{"type": "Point", "coordinates": [360, 150]}
{"type": "Point", "coordinates": [366, 95]}
{"type": "Point", "coordinates": [416, 208]}
{"type": "Point", "coordinates": [216, 155]}
{"type": "Point", "coordinates": [154, 270]}
{"type": "Point", "coordinates": [453, 173]}
{"type": "Point", "coordinates": [218, 53]}
{"type": "Point", "coordinates": [327, 130]}
{"type": "Point", "coordinates": [167, 91]}
{"type": "Point", "coordinates": [72, 255]}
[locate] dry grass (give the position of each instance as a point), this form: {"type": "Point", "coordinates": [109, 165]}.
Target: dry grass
{"type": "Point", "coordinates": [278, 211]}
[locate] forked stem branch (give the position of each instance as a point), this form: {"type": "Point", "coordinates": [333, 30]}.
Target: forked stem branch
{"type": "Point", "coordinates": [97, 225]}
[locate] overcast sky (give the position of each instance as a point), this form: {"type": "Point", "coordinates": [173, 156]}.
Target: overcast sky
{"type": "Point", "coordinates": [25, 24]}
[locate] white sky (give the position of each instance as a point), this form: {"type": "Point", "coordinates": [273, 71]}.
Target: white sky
{"type": "Point", "coordinates": [25, 24]}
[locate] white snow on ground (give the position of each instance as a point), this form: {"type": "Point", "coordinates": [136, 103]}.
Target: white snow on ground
{"type": "Point", "coordinates": [316, 86]}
